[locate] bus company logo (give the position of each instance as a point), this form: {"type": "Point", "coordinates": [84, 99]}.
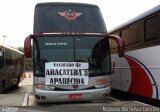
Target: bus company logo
{"type": "Point", "coordinates": [70, 14]}
{"type": "Point", "coordinates": [75, 86]}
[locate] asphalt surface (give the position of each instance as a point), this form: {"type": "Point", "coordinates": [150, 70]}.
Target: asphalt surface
{"type": "Point", "coordinates": [22, 99]}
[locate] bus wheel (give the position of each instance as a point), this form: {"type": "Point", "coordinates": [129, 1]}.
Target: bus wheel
{"type": "Point", "coordinates": [2, 86]}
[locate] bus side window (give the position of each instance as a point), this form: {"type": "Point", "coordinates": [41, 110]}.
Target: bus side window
{"type": "Point", "coordinates": [136, 33]}
{"type": "Point", "coordinates": [8, 57]}
{"type": "Point", "coordinates": [125, 36]}
{"type": "Point", "coordinates": [151, 28]}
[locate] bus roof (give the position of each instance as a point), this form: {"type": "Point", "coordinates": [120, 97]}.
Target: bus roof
{"type": "Point", "coordinates": [66, 4]}
{"type": "Point", "coordinates": [137, 18]}
{"type": "Point", "coordinates": [11, 48]}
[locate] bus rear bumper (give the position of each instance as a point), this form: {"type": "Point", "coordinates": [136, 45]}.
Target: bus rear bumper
{"type": "Point", "coordinates": [71, 96]}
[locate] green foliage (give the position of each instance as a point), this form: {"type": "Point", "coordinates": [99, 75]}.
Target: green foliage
{"type": "Point", "coordinates": [21, 49]}
{"type": "Point", "coordinates": [27, 61]}
{"type": "Point", "coordinates": [28, 64]}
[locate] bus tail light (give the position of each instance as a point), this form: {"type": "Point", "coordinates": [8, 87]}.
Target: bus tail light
{"type": "Point", "coordinates": [42, 87]}
{"type": "Point", "coordinates": [37, 86]}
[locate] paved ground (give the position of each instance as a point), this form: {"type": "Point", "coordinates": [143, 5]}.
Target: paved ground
{"type": "Point", "coordinates": [18, 96]}
{"type": "Point", "coordinates": [22, 100]}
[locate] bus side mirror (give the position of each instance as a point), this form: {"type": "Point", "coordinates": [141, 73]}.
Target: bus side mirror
{"type": "Point", "coordinates": [27, 47]}
{"type": "Point", "coordinates": [120, 43]}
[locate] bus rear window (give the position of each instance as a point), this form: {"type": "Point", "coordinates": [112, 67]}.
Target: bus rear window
{"type": "Point", "coordinates": [59, 18]}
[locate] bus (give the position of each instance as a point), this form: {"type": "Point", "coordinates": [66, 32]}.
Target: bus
{"type": "Point", "coordinates": [138, 72]}
{"type": "Point", "coordinates": [11, 67]}
{"type": "Point", "coordinates": [71, 53]}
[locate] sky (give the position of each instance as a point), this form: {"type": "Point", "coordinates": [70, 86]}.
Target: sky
{"type": "Point", "coordinates": [16, 16]}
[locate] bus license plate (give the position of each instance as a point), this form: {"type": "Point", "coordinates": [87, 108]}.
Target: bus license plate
{"type": "Point", "coordinates": [75, 96]}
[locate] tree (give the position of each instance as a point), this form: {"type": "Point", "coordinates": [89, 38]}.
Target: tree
{"type": "Point", "coordinates": [21, 49]}
{"type": "Point", "coordinates": [27, 61]}
{"type": "Point", "coordinates": [28, 64]}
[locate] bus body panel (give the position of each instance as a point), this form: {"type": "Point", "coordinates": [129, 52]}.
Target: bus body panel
{"type": "Point", "coordinates": [74, 24]}
{"type": "Point", "coordinates": [98, 79]}
{"type": "Point", "coordinates": [139, 72]}
{"type": "Point", "coordinates": [63, 92]}
{"type": "Point", "coordinates": [80, 95]}
{"type": "Point", "coordinates": [119, 80]}
{"type": "Point", "coordinates": [12, 68]}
